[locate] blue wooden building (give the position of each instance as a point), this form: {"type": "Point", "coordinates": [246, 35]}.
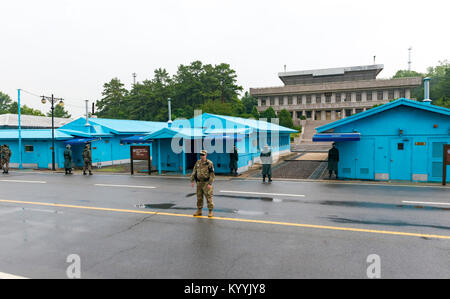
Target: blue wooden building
{"type": "Point", "coordinates": [401, 140]}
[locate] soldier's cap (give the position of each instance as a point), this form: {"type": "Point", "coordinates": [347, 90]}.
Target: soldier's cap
{"type": "Point", "coordinates": [203, 153]}
{"type": "Point", "coordinates": [68, 146]}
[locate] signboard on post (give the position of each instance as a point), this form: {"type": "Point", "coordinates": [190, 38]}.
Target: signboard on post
{"type": "Point", "coordinates": [446, 162]}
{"type": "Point", "coordinates": [140, 152]}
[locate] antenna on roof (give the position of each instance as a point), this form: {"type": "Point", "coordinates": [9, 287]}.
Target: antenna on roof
{"type": "Point", "coordinates": [285, 68]}
{"type": "Point", "coordinates": [374, 57]}
{"type": "Point", "coordinates": [409, 58]}
{"type": "Point", "coordinates": [87, 113]}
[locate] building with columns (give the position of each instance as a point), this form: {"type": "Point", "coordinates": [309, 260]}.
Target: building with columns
{"type": "Point", "coordinates": [332, 94]}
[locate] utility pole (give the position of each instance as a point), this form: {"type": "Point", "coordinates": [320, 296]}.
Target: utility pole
{"type": "Point", "coordinates": [409, 58]}
{"type": "Point", "coordinates": [134, 78]}
{"type": "Point", "coordinates": [20, 131]}
{"type": "Point", "coordinates": [52, 102]}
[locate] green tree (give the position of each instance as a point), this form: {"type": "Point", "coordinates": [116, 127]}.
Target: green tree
{"type": "Point", "coordinates": [255, 113]}
{"type": "Point", "coordinates": [59, 112]}
{"type": "Point", "coordinates": [5, 102]}
{"type": "Point", "coordinates": [268, 114]}
{"type": "Point", "coordinates": [114, 101]}
{"type": "Point", "coordinates": [285, 119]}
{"type": "Point", "coordinates": [25, 110]}
{"type": "Point", "coordinates": [249, 102]}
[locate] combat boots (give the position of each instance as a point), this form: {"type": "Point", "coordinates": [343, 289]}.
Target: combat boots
{"type": "Point", "coordinates": [210, 213]}
{"type": "Point", "coordinates": [198, 213]}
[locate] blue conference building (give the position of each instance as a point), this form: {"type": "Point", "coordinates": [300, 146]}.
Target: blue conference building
{"type": "Point", "coordinates": [174, 146]}
{"type": "Point", "coordinates": [400, 140]}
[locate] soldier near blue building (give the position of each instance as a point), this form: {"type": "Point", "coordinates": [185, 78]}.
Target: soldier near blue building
{"type": "Point", "coordinates": [5, 156]}
{"type": "Point", "coordinates": [266, 161]}
{"type": "Point", "coordinates": [87, 159]}
{"type": "Point", "coordinates": [203, 175]}
{"type": "Point", "coordinates": [234, 157]}
{"type": "Point", "coordinates": [68, 159]}
{"type": "Point", "coordinates": [333, 159]}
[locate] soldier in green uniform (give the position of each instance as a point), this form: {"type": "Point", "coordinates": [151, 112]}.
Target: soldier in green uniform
{"type": "Point", "coordinates": [333, 159]}
{"type": "Point", "coordinates": [68, 159]}
{"type": "Point", "coordinates": [87, 159]}
{"type": "Point", "coordinates": [1, 156]}
{"type": "Point", "coordinates": [203, 174]}
{"type": "Point", "coordinates": [266, 161]}
{"type": "Point", "coordinates": [233, 161]}
{"type": "Point", "coordinates": [6, 155]}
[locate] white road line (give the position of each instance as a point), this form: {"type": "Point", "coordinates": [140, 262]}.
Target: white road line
{"type": "Point", "coordinates": [427, 202]}
{"type": "Point", "coordinates": [261, 193]}
{"type": "Point", "coordinates": [21, 181]}
{"type": "Point", "coordinates": [125, 186]}
{"type": "Point", "coordinates": [10, 276]}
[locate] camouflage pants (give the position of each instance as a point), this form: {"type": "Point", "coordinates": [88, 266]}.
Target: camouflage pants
{"type": "Point", "coordinates": [5, 164]}
{"type": "Point", "coordinates": [87, 165]}
{"type": "Point", "coordinates": [203, 190]}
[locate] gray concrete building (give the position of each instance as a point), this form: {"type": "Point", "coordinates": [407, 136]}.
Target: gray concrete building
{"type": "Point", "coordinates": [331, 94]}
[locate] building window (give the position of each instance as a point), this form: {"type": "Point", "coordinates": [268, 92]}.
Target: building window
{"type": "Point", "coordinates": [308, 114]}
{"type": "Point", "coordinates": [318, 98]}
{"type": "Point", "coordinates": [348, 112]}
{"type": "Point", "coordinates": [402, 93]}
{"type": "Point", "coordinates": [328, 97]}
{"type": "Point", "coordinates": [358, 110]}
{"type": "Point", "coordinates": [289, 100]}
{"type": "Point", "coordinates": [299, 99]}
{"type": "Point", "coordinates": [29, 148]}
{"type": "Point", "coordinates": [391, 94]}
{"type": "Point", "coordinates": [280, 100]}
{"type": "Point", "coordinates": [380, 95]}
{"type": "Point", "coordinates": [308, 99]}
{"type": "Point", "coordinates": [358, 97]}
{"type": "Point", "coordinates": [369, 96]}
{"type": "Point", "coordinates": [263, 102]}
{"type": "Point", "coordinates": [348, 97]}
{"type": "Point", "coordinates": [299, 114]}
{"type": "Point", "coordinates": [338, 97]}
{"type": "Point", "coordinates": [272, 101]}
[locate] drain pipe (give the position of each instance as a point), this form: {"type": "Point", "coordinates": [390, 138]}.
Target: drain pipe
{"type": "Point", "coordinates": [87, 114]}
{"type": "Point", "coordinates": [170, 112]}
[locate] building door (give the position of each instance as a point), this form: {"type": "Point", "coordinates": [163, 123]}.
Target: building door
{"type": "Point", "coordinates": [364, 159]}
{"type": "Point", "coordinates": [400, 159]}
{"type": "Point", "coordinates": [328, 115]}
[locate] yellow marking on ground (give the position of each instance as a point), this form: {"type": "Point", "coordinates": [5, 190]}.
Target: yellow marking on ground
{"type": "Point", "coordinates": [313, 157]}
{"type": "Point", "coordinates": [350, 229]}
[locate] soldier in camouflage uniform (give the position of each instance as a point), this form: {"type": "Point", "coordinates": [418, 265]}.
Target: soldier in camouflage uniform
{"type": "Point", "coordinates": [6, 155]}
{"type": "Point", "coordinates": [87, 159]}
{"type": "Point", "coordinates": [203, 174]}
{"type": "Point", "coordinates": [266, 161]}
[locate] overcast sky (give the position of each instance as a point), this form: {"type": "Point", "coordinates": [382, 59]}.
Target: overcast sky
{"type": "Point", "coordinates": [71, 48]}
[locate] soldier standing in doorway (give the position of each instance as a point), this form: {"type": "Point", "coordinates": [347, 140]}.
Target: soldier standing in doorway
{"type": "Point", "coordinates": [333, 159]}
{"type": "Point", "coordinates": [266, 160]}
{"type": "Point", "coordinates": [6, 155]}
{"type": "Point", "coordinates": [68, 159]}
{"type": "Point", "coordinates": [233, 161]}
{"type": "Point", "coordinates": [87, 158]}
{"type": "Point", "coordinates": [203, 174]}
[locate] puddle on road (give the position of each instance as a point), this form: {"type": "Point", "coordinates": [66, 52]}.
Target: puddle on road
{"type": "Point", "coordinates": [375, 205]}
{"type": "Point", "coordinates": [269, 199]}
{"type": "Point", "coordinates": [388, 223]}
{"type": "Point", "coordinates": [172, 206]}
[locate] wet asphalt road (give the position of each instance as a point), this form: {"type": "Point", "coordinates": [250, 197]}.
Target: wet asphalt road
{"type": "Point", "coordinates": [36, 239]}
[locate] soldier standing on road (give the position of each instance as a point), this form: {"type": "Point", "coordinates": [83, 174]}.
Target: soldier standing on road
{"type": "Point", "coordinates": [6, 155]}
{"type": "Point", "coordinates": [68, 159]}
{"type": "Point", "coordinates": [233, 161]}
{"type": "Point", "coordinates": [203, 174]}
{"type": "Point", "coordinates": [87, 158]}
{"type": "Point", "coordinates": [266, 160]}
{"type": "Point", "coordinates": [333, 159]}
{"type": "Point", "coordinates": [1, 157]}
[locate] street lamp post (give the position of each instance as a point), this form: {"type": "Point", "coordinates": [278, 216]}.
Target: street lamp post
{"type": "Point", "coordinates": [52, 101]}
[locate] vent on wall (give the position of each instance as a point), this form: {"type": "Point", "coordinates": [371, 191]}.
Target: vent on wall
{"type": "Point", "coordinates": [346, 170]}
{"type": "Point", "coordinates": [364, 170]}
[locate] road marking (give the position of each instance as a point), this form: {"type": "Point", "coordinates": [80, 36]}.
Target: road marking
{"type": "Point", "coordinates": [427, 202]}
{"type": "Point", "coordinates": [22, 181]}
{"type": "Point", "coordinates": [125, 186]}
{"type": "Point", "coordinates": [10, 276]}
{"type": "Point", "coordinates": [262, 193]}
{"type": "Point", "coordinates": [337, 228]}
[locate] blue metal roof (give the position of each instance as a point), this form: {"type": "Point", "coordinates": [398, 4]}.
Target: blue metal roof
{"type": "Point", "coordinates": [187, 133]}
{"type": "Point", "coordinates": [135, 139]}
{"type": "Point", "coordinates": [124, 126]}
{"type": "Point", "coordinates": [336, 137]}
{"type": "Point", "coordinates": [33, 134]}
{"type": "Point", "coordinates": [379, 109]}
{"type": "Point", "coordinates": [76, 141]}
